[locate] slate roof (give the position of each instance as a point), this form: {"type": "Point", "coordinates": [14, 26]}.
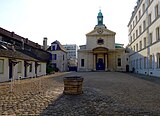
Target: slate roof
{"type": "Point", "coordinates": [36, 54]}
{"type": "Point", "coordinates": [7, 50]}
{"type": "Point", "coordinates": [14, 36]}
{"type": "Point", "coordinates": [14, 54]}
{"type": "Point", "coordinates": [34, 50]}
{"type": "Point", "coordinates": [59, 46]}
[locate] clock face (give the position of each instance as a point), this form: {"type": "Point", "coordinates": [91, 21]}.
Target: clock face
{"type": "Point", "coordinates": [100, 31]}
{"type": "Point", "coordinates": [99, 19]}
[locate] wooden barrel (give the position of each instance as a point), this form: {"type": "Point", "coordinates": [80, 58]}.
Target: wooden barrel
{"type": "Point", "coordinates": [73, 85]}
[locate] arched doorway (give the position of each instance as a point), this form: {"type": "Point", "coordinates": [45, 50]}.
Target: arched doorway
{"type": "Point", "coordinates": [100, 58]}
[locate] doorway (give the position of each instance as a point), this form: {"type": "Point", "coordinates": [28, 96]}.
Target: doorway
{"type": "Point", "coordinates": [100, 64]}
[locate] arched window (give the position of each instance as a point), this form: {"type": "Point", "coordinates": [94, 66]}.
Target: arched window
{"type": "Point", "coordinates": [100, 41]}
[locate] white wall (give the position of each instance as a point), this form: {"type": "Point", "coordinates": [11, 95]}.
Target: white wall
{"type": "Point", "coordinates": [17, 74]}
{"type": "Point", "coordinates": [5, 75]}
{"type": "Point", "coordinates": [62, 65]}
{"type": "Point", "coordinates": [32, 73]}
{"type": "Point", "coordinates": [41, 69]}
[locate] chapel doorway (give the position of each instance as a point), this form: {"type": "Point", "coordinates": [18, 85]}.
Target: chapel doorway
{"type": "Point", "coordinates": [100, 64]}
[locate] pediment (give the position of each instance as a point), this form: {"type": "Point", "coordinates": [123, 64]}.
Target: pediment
{"type": "Point", "coordinates": [101, 31]}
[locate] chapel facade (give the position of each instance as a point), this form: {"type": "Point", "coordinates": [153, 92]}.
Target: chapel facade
{"type": "Point", "coordinates": [101, 53]}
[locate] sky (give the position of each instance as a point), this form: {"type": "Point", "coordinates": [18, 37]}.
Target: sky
{"type": "Point", "coordinates": [65, 20]}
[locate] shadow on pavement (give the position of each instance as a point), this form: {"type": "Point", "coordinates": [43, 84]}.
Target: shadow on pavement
{"type": "Point", "coordinates": [91, 102]}
{"type": "Point", "coordinates": [146, 77]}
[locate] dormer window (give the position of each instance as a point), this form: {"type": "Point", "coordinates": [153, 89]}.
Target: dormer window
{"type": "Point", "coordinates": [100, 41]}
{"type": "Point", "coordinates": [54, 47]}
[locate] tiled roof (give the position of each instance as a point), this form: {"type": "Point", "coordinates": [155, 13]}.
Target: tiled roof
{"type": "Point", "coordinates": [14, 54]}
{"type": "Point", "coordinates": [37, 54]}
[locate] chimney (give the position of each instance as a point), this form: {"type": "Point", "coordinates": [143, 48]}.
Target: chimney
{"type": "Point", "coordinates": [12, 33]}
{"type": "Point", "coordinates": [26, 40]}
{"type": "Point", "coordinates": [45, 43]}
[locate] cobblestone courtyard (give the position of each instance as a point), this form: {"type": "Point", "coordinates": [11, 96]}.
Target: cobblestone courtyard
{"type": "Point", "coordinates": [105, 93]}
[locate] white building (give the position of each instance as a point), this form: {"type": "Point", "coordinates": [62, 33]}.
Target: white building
{"type": "Point", "coordinates": [101, 53]}
{"type": "Point", "coordinates": [71, 51]}
{"type": "Point", "coordinates": [15, 65]}
{"type": "Point", "coordinates": [59, 56]}
{"type": "Point", "coordinates": [144, 38]}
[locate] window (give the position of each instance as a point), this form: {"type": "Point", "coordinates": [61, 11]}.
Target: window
{"type": "Point", "coordinates": [119, 61]}
{"type": "Point", "coordinates": [144, 8]}
{"type": "Point", "coordinates": [157, 33]}
{"type": "Point", "coordinates": [144, 25]}
{"type": "Point", "coordinates": [30, 67]}
{"type": "Point", "coordinates": [139, 14]}
{"type": "Point", "coordinates": [134, 63]}
{"type": "Point", "coordinates": [145, 61]}
{"type": "Point", "coordinates": [133, 36]}
{"type": "Point", "coordinates": [149, 2]}
{"type": "Point", "coordinates": [19, 67]}
{"type": "Point", "coordinates": [136, 33]}
{"type": "Point", "coordinates": [156, 11]}
{"type": "Point", "coordinates": [100, 41]}
{"type": "Point", "coordinates": [144, 42]}
{"type": "Point", "coordinates": [63, 57]}
{"type": "Point", "coordinates": [149, 19]}
{"type": "Point", "coordinates": [150, 61]}
{"type": "Point", "coordinates": [150, 38]}
{"type": "Point", "coordinates": [130, 27]}
{"type": "Point", "coordinates": [158, 60]}
{"type": "Point", "coordinates": [134, 48]}
{"type": "Point", "coordinates": [54, 56]}
{"type": "Point", "coordinates": [137, 47]}
{"type": "Point", "coordinates": [133, 23]}
{"type": "Point", "coordinates": [82, 62]}
{"type": "Point", "coordinates": [1, 66]}
{"type": "Point", "coordinates": [131, 39]}
{"type": "Point", "coordinates": [137, 63]}
{"type": "Point", "coordinates": [140, 45]}
{"type": "Point", "coordinates": [53, 48]}
{"type": "Point", "coordinates": [140, 63]}
{"type": "Point", "coordinates": [140, 29]}
{"type": "Point", "coordinates": [136, 19]}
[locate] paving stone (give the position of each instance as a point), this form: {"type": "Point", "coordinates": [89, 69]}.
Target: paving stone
{"type": "Point", "coordinates": [103, 95]}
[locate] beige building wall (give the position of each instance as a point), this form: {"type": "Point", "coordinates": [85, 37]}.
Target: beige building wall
{"type": "Point", "coordinates": [109, 41]}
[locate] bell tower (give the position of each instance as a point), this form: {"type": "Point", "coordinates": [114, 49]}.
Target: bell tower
{"type": "Point", "coordinates": [100, 21]}
{"type": "Point", "coordinates": [100, 18]}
